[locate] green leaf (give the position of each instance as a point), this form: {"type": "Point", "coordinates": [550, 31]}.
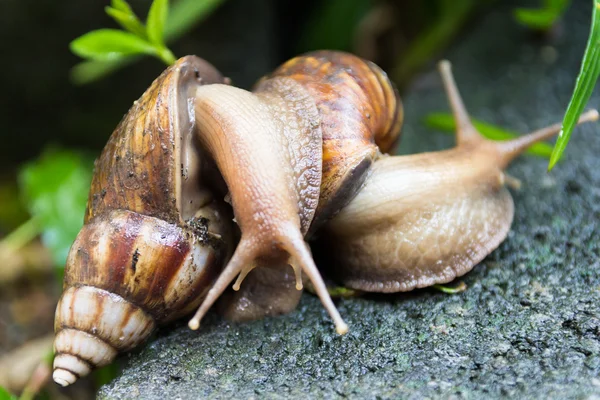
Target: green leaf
{"type": "Point", "coordinates": [185, 14]}
{"type": "Point", "coordinates": [55, 188]}
{"type": "Point", "coordinates": [445, 122]}
{"type": "Point", "coordinates": [5, 394]}
{"type": "Point", "coordinates": [128, 21]}
{"type": "Point", "coordinates": [584, 85]}
{"type": "Point", "coordinates": [110, 44]}
{"type": "Point", "coordinates": [122, 5]}
{"type": "Point", "coordinates": [89, 71]}
{"type": "Point", "coordinates": [542, 18]}
{"type": "Point", "coordinates": [155, 24]}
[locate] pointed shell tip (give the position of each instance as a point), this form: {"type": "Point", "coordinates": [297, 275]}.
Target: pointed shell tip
{"type": "Point", "coordinates": [63, 377]}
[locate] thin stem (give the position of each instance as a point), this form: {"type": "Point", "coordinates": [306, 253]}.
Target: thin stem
{"type": "Point", "coordinates": [166, 55]}
{"type": "Point", "coordinates": [459, 288]}
{"type": "Point", "coordinates": [22, 235]}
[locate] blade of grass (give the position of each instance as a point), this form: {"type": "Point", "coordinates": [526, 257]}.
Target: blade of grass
{"type": "Point", "coordinates": [584, 85]}
{"type": "Point", "coordinates": [445, 122]}
{"type": "Point", "coordinates": [459, 288]}
{"type": "Point", "coordinates": [437, 37]}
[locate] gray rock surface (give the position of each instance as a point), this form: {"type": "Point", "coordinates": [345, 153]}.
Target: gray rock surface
{"type": "Point", "coordinates": [527, 327]}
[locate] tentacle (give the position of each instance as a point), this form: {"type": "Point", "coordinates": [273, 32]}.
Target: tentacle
{"type": "Point", "coordinates": [298, 250]}
{"type": "Point", "coordinates": [244, 255]}
{"type": "Point", "coordinates": [507, 150]}
{"type": "Point", "coordinates": [293, 243]}
{"type": "Point", "coordinates": [243, 274]}
{"type": "Point", "coordinates": [465, 131]}
{"type": "Point", "coordinates": [512, 148]}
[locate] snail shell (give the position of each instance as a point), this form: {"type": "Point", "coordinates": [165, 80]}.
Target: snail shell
{"type": "Point", "coordinates": [360, 116]}
{"type": "Point", "coordinates": [154, 237]}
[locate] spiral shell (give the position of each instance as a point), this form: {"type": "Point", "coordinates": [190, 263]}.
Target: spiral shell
{"type": "Point", "coordinates": [154, 237]}
{"type": "Point", "coordinates": [360, 110]}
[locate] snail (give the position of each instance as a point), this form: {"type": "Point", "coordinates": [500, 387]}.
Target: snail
{"type": "Point", "coordinates": [154, 235]}
{"type": "Point", "coordinates": [302, 154]}
{"type": "Point", "coordinates": [428, 218]}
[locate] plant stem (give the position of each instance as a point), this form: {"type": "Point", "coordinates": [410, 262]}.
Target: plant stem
{"type": "Point", "coordinates": [431, 41]}
{"type": "Point", "coordinates": [22, 235]}
{"type": "Point", "coordinates": [166, 55]}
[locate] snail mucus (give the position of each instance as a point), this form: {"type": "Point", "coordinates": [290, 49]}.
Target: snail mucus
{"type": "Point", "coordinates": [202, 183]}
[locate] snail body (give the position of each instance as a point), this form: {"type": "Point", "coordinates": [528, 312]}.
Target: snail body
{"type": "Point", "coordinates": [300, 157]}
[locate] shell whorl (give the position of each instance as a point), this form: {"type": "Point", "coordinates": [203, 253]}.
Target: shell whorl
{"type": "Point", "coordinates": [92, 326]}
{"type": "Point", "coordinates": [150, 162]}
{"type": "Point", "coordinates": [360, 110]}
{"type": "Point", "coordinates": [160, 267]}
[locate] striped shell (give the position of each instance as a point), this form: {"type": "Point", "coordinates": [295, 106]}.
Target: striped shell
{"type": "Point", "coordinates": [154, 238]}
{"type": "Point", "coordinates": [360, 110]}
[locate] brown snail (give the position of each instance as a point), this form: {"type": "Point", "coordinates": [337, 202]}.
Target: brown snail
{"type": "Point", "coordinates": [428, 218]}
{"type": "Point", "coordinates": [297, 155]}
{"type": "Point", "coordinates": [154, 236]}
